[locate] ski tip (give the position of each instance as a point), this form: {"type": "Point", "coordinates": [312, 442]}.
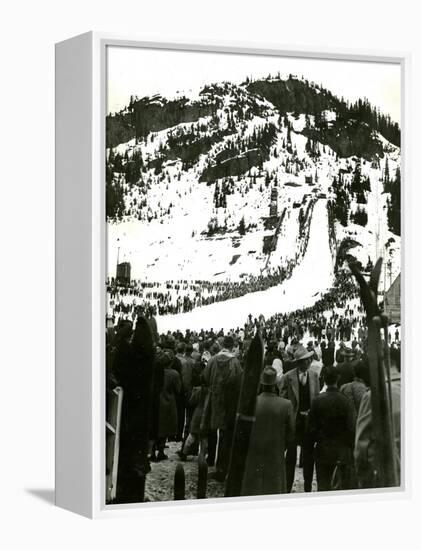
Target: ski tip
{"type": "Point", "coordinates": [257, 342]}
{"type": "Point", "coordinates": [179, 483]}
{"type": "Point", "coordinates": [368, 291]}
{"type": "Point", "coordinates": [375, 276]}
{"type": "Point", "coordinates": [356, 272]}
{"type": "Point", "coordinates": [142, 337]}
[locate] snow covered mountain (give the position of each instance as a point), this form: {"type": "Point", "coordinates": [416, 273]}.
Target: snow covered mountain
{"type": "Point", "coordinates": [226, 184]}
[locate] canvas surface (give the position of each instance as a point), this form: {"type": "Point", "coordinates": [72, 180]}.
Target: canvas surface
{"type": "Point", "coordinates": [241, 191]}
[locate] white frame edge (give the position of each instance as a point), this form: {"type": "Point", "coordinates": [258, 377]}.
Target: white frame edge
{"type": "Point", "coordinates": [80, 370]}
{"type": "Point", "coordinates": [73, 174]}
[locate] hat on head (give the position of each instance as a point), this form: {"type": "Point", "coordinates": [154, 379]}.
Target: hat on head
{"type": "Point", "coordinates": [163, 359]}
{"type": "Point", "coordinates": [228, 342]}
{"type": "Point", "coordinates": [168, 343]}
{"type": "Point", "coordinates": [302, 353]}
{"type": "Point", "coordinates": [189, 347]}
{"type": "Point", "coordinates": [268, 377]}
{"type": "Point", "coordinates": [215, 348]}
{"type": "Point", "coordinates": [181, 347]}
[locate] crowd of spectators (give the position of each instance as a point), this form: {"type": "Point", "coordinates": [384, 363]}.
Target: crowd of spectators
{"type": "Point", "coordinates": [172, 297]}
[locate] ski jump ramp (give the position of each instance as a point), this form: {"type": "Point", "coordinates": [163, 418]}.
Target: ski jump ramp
{"type": "Point", "coordinates": [312, 277]}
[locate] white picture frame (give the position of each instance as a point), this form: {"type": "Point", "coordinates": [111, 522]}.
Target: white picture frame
{"type": "Point", "coordinates": [80, 271]}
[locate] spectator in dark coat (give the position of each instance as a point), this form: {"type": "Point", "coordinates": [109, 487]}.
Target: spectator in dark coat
{"type": "Point", "coordinates": [134, 365]}
{"type": "Point", "coordinates": [346, 369]}
{"type": "Point", "coordinates": [272, 433]}
{"type": "Point", "coordinates": [271, 353]}
{"type": "Point", "coordinates": [196, 404]}
{"type": "Point", "coordinates": [222, 376]}
{"type": "Point", "coordinates": [330, 353]}
{"type": "Point", "coordinates": [152, 323]}
{"type": "Point", "coordinates": [323, 348]}
{"type": "Point", "coordinates": [167, 412]}
{"type": "Point", "coordinates": [332, 428]}
{"type": "Point", "coordinates": [300, 386]}
{"type": "Point", "coordinates": [356, 389]}
{"type": "Point", "coordinates": [328, 358]}
{"type": "Point", "coordinates": [169, 345]}
{"type": "Point", "coordinates": [182, 399]}
{"type": "Point", "coordinates": [188, 375]}
{"type": "Point", "coordinates": [340, 353]}
{"type": "Point", "coordinates": [122, 354]}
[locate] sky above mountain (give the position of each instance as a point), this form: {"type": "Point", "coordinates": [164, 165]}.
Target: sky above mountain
{"type": "Point", "coordinates": [142, 72]}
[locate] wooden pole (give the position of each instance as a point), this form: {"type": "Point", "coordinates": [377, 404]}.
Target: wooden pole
{"type": "Point", "coordinates": [202, 478]}
{"type": "Point", "coordinates": [179, 483]}
{"type": "Point", "coordinates": [245, 417]}
{"type": "Point", "coordinates": [385, 467]}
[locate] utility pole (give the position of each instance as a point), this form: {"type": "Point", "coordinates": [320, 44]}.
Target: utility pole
{"type": "Point", "coordinates": [389, 266]}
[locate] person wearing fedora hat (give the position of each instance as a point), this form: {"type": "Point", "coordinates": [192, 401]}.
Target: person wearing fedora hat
{"type": "Point", "coordinates": [300, 386]}
{"type": "Point", "coordinates": [272, 433]}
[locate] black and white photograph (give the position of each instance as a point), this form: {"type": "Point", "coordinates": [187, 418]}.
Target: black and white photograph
{"type": "Point", "coordinates": [253, 311]}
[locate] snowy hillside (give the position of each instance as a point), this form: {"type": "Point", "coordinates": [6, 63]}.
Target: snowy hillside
{"type": "Point", "coordinates": [247, 180]}
{"type": "Point", "coordinates": [301, 290]}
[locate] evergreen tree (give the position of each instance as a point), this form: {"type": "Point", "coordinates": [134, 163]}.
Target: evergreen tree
{"type": "Point", "coordinates": [386, 176]}
{"type": "Point", "coordinates": [394, 204]}
{"type": "Point", "coordinates": [356, 182]}
{"type": "Point", "coordinates": [360, 217]}
{"type": "Point", "coordinates": [242, 227]}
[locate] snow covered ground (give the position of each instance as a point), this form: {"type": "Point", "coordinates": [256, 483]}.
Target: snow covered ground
{"type": "Point", "coordinates": [168, 238]}
{"type": "Point", "coordinates": [313, 276]}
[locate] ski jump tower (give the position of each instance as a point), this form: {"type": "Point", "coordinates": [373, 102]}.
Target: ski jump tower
{"type": "Point", "coordinates": [273, 206]}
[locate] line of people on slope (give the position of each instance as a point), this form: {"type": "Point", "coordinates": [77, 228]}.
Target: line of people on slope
{"type": "Point", "coordinates": [172, 297]}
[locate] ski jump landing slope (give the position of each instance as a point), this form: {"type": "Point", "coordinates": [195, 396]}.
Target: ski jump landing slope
{"type": "Point", "coordinates": [313, 276]}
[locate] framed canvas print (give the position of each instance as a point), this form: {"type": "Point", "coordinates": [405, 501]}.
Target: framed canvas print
{"type": "Point", "coordinates": [230, 275]}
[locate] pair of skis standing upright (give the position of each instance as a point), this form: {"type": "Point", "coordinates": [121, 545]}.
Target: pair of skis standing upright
{"type": "Point", "coordinates": [385, 468]}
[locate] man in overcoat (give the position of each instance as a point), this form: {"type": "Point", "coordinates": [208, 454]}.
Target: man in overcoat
{"type": "Point", "coordinates": [332, 428]}
{"type": "Point", "coordinates": [167, 420]}
{"type": "Point", "coordinates": [222, 376]}
{"type": "Point", "coordinates": [346, 369]}
{"type": "Point", "coordinates": [300, 386]}
{"type": "Point", "coordinates": [272, 433]}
